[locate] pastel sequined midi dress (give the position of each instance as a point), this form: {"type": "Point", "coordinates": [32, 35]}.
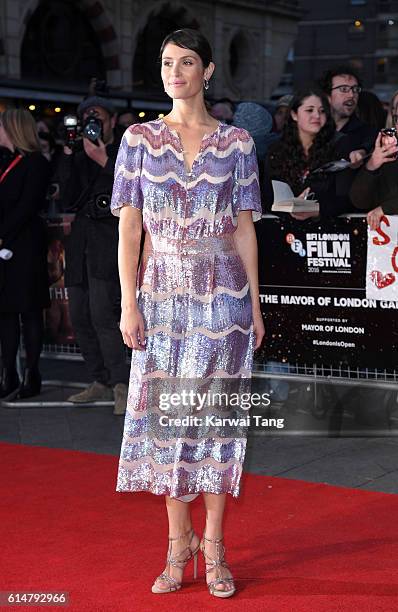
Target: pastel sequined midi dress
{"type": "Point", "coordinates": [193, 294]}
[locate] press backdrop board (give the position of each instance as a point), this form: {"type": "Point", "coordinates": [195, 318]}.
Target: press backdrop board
{"type": "Point", "coordinates": [312, 284]}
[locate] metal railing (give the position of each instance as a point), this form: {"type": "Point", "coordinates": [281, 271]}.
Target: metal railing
{"type": "Point", "coordinates": [341, 372]}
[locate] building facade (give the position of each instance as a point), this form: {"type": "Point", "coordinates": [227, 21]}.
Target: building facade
{"type": "Point", "coordinates": [60, 44]}
{"type": "Point", "coordinates": [363, 33]}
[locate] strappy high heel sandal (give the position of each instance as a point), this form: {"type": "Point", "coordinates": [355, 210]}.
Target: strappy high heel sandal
{"type": "Point", "coordinates": [216, 564]}
{"type": "Point", "coordinates": [180, 561]}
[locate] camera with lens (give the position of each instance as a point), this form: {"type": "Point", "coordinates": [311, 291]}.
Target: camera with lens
{"type": "Point", "coordinates": [391, 131]}
{"type": "Point", "coordinates": [92, 127]}
{"type": "Point", "coordinates": [99, 206]}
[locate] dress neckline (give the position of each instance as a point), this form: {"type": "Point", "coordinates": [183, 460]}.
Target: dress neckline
{"type": "Point", "coordinates": [174, 131]}
{"type": "Point", "coordinates": [204, 138]}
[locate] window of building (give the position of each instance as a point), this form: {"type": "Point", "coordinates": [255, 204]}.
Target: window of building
{"type": "Point", "coordinates": [240, 57]}
{"type": "Point", "coordinates": [386, 69]}
{"type": "Point", "coordinates": [381, 66]}
{"type": "Point", "coordinates": [388, 34]}
{"type": "Point", "coordinates": [393, 70]}
{"type": "Point", "coordinates": [59, 44]}
{"type": "Point", "coordinates": [146, 69]}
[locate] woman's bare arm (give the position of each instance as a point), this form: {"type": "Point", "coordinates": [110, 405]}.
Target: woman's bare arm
{"type": "Point", "coordinates": [246, 246]}
{"type": "Point", "coordinates": [131, 322]}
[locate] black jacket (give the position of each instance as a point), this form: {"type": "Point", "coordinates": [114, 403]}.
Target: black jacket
{"type": "Point", "coordinates": [331, 190]}
{"type": "Point", "coordinates": [358, 135]}
{"type": "Point", "coordinates": [377, 188]}
{"type": "Point", "coordinates": [92, 242]}
{"type": "Point", "coordinates": [23, 278]}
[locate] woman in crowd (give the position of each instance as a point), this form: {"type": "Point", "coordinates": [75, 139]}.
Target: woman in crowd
{"type": "Point", "coordinates": [23, 267]}
{"type": "Point", "coordinates": [309, 140]}
{"type": "Point", "coordinates": [375, 188]}
{"type": "Point", "coordinates": [194, 182]}
{"type": "Point", "coordinates": [393, 110]}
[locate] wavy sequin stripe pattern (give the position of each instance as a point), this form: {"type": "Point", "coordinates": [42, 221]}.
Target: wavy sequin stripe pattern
{"type": "Point", "coordinates": [194, 297]}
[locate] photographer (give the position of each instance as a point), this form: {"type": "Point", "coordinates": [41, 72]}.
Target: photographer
{"type": "Point", "coordinates": [86, 180]}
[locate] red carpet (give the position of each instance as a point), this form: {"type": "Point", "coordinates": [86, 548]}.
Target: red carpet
{"type": "Point", "coordinates": [293, 546]}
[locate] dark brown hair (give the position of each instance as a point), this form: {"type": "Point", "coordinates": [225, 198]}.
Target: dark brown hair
{"type": "Point", "coordinates": [287, 160]}
{"type": "Point", "coordinates": [192, 40]}
{"type": "Point", "coordinates": [326, 80]}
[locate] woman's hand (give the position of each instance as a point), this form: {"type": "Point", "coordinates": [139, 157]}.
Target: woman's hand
{"type": "Point", "coordinates": [304, 193]}
{"type": "Point", "coordinates": [302, 216]}
{"type": "Point", "coordinates": [374, 217]}
{"type": "Point", "coordinates": [386, 148]}
{"type": "Point", "coordinates": [132, 328]}
{"type": "Point", "coordinates": [356, 157]}
{"type": "Point", "coordinates": [258, 328]}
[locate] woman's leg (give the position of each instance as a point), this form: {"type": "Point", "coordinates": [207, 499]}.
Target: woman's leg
{"type": "Point", "coordinates": [215, 505]}
{"type": "Point", "coordinates": [32, 329]}
{"type": "Point", "coordinates": [9, 342]}
{"type": "Point", "coordinates": [9, 339]}
{"type": "Point", "coordinates": [179, 516]}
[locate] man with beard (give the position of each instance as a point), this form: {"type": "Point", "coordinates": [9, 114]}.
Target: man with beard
{"type": "Point", "coordinates": [343, 86]}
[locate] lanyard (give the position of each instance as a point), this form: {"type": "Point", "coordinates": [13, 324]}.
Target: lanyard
{"type": "Point", "coordinates": [10, 167]}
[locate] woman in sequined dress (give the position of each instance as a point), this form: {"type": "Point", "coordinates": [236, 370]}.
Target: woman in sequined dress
{"type": "Point", "coordinates": [192, 184]}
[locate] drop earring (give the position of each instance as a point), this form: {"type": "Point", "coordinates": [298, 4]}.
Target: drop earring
{"type": "Point", "coordinates": [206, 84]}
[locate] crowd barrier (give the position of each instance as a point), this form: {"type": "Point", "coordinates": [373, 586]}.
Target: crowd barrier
{"type": "Point", "coordinates": [328, 360]}
{"type": "Point", "coordinates": [329, 357]}
{"type": "Point", "coordinates": [312, 291]}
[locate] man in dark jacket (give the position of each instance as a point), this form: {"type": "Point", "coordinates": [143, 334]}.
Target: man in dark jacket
{"type": "Point", "coordinates": [342, 86]}
{"type": "Point", "coordinates": [86, 180]}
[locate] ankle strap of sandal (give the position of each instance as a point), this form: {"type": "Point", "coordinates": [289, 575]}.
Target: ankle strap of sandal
{"type": "Point", "coordinates": [183, 535]}
{"type": "Point", "coordinates": [216, 541]}
{"type": "Point", "coordinates": [175, 559]}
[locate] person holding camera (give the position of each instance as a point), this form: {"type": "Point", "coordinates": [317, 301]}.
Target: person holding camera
{"type": "Point", "coordinates": [86, 179]}
{"type": "Point", "coordinates": [375, 188]}
{"type": "Point", "coordinates": [24, 177]}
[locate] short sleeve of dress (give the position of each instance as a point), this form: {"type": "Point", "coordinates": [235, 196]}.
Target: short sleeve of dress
{"type": "Point", "coordinates": [127, 182]}
{"type": "Point", "coordinates": [246, 192]}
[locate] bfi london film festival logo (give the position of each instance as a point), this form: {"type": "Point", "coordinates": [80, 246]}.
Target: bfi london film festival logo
{"type": "Point", "coordinates": [324, 252]}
